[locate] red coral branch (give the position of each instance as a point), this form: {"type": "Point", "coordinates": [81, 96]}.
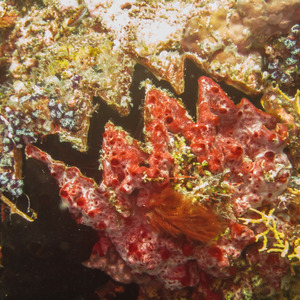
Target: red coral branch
{"type": "Point", "coordinates": [185, 176]}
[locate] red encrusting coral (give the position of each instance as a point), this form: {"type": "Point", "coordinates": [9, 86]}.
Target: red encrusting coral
{"type": "Point", "coordinates": [162, 208]}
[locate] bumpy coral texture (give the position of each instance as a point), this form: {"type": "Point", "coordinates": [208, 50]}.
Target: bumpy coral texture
{"type": "Point", "coordinates": [241, 142]}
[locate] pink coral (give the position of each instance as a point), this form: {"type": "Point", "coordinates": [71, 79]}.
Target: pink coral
{"type": "Point", "coordinates": [239, 147]}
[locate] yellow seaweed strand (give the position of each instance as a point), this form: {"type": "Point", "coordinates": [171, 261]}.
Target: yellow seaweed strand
{"type": "Point", "coordinates": [281, 245]}
{"type": "Point", "coordinates": [15, 210]}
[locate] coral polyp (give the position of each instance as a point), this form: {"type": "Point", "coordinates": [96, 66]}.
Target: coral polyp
{"type": "Point", "coordinates": [282, 60]}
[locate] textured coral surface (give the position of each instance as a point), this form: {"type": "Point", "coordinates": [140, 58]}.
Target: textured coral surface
{"type": "Point", "coordinates": [57, 55]}
{"type": "Point", "coordinates": [204, 206]}
{"type": "Point", "coordinates": [215, 169]}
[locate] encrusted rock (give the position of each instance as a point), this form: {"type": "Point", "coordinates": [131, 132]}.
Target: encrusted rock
{"type": "Point", "coordinates": [207, 172]}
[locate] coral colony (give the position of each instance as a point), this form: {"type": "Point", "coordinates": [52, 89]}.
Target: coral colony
{"type": "Point", "coordinates": [168, 211]}
{"type": "Point", "coordinates": [202, 209]}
